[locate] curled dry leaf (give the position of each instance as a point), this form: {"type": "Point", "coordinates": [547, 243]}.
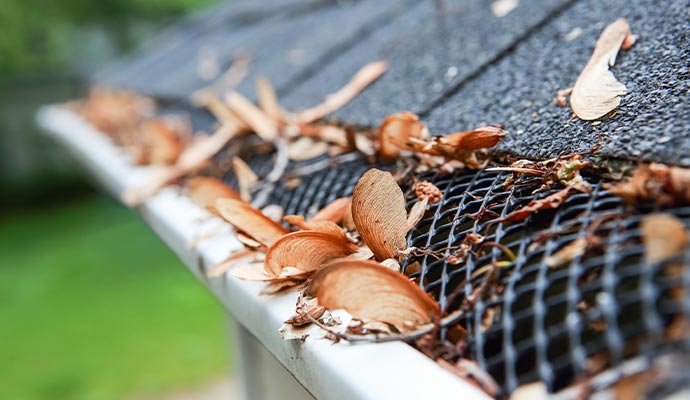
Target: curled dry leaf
{"type": "Point", "coordinates": [262, 124]}
{"type": "Point", "coordinates": [204, 191]}
{"type": "Point", "coordinates": [396, 131]}
{"type": "Point", "coordinates": [159, 142]}
{"type": "Point", "coordinates": [378, 211]}
{"type": "Point", "coordinates": [453, 144]}
{"type": "Point", "coordinates": [193, 157]}
{"type": "Point", "coordinates": [596, 91]}
{"type": "Point", "coordinates": [326, 133]}
{"type": "Point", "coordinates": [663, 236]}
{"type": "Point", "coordinates": [656, 183]}
{"type": "Point", "coordinates": [306, 250]}
{"type": "Point", "coordinates": [334, 211]}
{"type": "Point", "coordinates": [370, 291]}
{"type": "Point", "coordinates": [250, 221]}
{"type": "Point", "coordinates": [348, 220]}
{"type": "Point", "coordinates": [246, 178]}
{"type": "Point", "coordinates": [365, 76]}
{"type": "Point", "coordinates": [328, 227]}
{"type": "Point", "coordinates": [549, 202]}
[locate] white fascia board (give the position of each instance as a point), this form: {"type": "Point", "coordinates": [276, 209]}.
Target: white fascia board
{"type": "Point", "coordinates": [391, 370]}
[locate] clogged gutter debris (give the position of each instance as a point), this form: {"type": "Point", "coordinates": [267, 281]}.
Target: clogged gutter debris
{"type": "Point", "coordinates": [348, 255]}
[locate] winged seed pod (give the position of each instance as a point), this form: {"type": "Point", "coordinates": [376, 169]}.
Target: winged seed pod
{"type": "Point", "coordinates": [378, 211]}
{"type": "Point", "coordinates": [204, 191]}
{"type": "Point", "coordinates": [596, 91]}
{"type": "Point", "coordinates": [250, 220]}
{"type": "Point", "coordinates": [370, 291]}
{"type": "Point", "coordinates": [306, 251]}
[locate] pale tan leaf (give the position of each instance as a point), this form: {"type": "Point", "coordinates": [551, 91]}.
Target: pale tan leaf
{"type": "Point", "coordinates": [392, 264]}
{"type": "Point", "coordinates": [246, 178]}
{"type": "Point", "coordinates": [256, 272]}
{"type": "Point", "coordinates": [365, 76]}
{"type": "Point", "coordinates": [261, 123]}
{"type": "Point", "coordinates": [362, 253]}
{"type": "Point", "coordinates": [334, 211]}
{"type": "Point", "coordinates": [530, 391]}
{"type": "Point", "coordinates": [663, 236]}
{"type": "Point", "coordinates": [596, 91]}
{"type": "Point", "coordinates": [306, 250]}
{"type": "Point", "coordinates": [566, 254]}
{"type": "Point", "coordinates": [395, 133]}
{"type": "Point", "coordinates": [416, 213]}
{"type": "Point", "coordinates": [160, 142]}
{"type": "Point", "coordinates": [370, 291]}
{"type": "Point", "coordinates": [204, 191]}
{"type": "Point", "coordinates": [326, 133]}
{"type": "Point", "coordinates": [221, 111]}
{"type": "Point", "coordinates": [240, 256]}
{"type": "Point", "coordinates": [250, 221]}
{"type": "Point", "coordinates": [193, 157]}
{"type": "Point", "coordinates": [378, 211]}
{"type": "Point", "coordinates": [306, 148]}
{"type": "Point", "coordinates": [268, 100]}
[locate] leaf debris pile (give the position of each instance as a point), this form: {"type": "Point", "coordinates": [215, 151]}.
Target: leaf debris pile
{"type": "Point", "coordinates": [349, 255]}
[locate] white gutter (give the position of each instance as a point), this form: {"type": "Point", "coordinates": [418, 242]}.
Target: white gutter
{"type": "Point", "coordinates": [328, 371]}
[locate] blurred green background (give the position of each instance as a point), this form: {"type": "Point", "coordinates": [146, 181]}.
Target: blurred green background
{"type": "Point", "coordinates": [92, 303]}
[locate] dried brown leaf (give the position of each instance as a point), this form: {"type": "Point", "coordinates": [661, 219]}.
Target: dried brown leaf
{"type": "Point", "coordinates": [253, 116]}
{"type": "Point", "coordinates": [656, 183]}
{"type": "Point", "coordinates": [220, 110]}
{"type": "Point", "coordinates": [326, 133]}
{"type": "Point", "coordinates": [416, 213]}
{"type": "Point", "coordinates": [204, 191]}
{"type": "Point", "coordinates": [370, 291]}
{"type": "Point", "coordinates": [365, 76]}
{"type": "Point", "coordinates": [193, 157]}
{"type": "Point", "coordinates": [663, 236]}
{"type": "Point", "coordinates": [549, 202]}
{"type": "Point", "coordinates": [395, 133]}
{"type": "Point", "coordinates": [250, 220]}
{"type": "Point", "coordinates": [306, 148]}
{"type": "Point", "coordinates": [246, 178]}
{"type": "Point", "coordinates": [348, 220]}
{"type": "Point", "coordinates": [530, 391]}
{"type": "Point", "coordinates": [378, 211]}
{"type": "Point", "coordinates": [256, 272]}
{"type": "Point", "coordinates": [268, 100]}
{"type": "Point", "coordinates": [159, 142]}
{"type": "Point", "coordinates": [316, 225]}
{"type": "Point", "coordinates": [334, 211]}
{"type": "Point", "coordinates": [306, 251]}
{"type": "Point", "coordinates": [596, 91]}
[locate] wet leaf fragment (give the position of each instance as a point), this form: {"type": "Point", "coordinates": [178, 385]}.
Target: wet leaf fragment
{"type": "Point", "coordinates": [370, 291]}
{"type": "Point", "coordinates": [596, 91]}
{"type": "Point", "coordinates": [378, 211]}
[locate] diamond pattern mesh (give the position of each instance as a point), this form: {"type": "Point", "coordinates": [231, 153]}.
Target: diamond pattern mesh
{"type": "Point", "coordinates": [536, 322]}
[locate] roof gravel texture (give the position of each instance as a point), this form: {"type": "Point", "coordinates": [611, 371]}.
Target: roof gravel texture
{"type": "Point", "coordinates": [453, 62]}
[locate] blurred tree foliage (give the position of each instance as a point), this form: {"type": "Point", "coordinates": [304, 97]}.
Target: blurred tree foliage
{"type": "Point", "coordinates": [37, 36]}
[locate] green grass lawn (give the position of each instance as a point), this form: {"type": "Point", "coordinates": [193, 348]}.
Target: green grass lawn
{"type": "Point", "coordinates": [94, 306]}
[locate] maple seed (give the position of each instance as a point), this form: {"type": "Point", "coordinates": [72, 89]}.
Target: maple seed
{"type": "Point", "coordinates": [596, 91]}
